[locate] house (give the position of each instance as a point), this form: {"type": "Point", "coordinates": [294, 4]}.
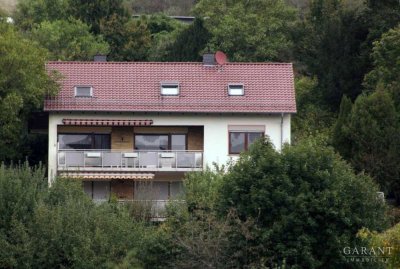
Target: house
{"type": "Point", "coordinates": [118, 125]}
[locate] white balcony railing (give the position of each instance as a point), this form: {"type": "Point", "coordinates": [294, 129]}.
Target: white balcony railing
{"type": "Point", "coordinates": [130, 161]}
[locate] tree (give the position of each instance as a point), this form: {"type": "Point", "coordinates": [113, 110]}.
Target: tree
{"type": "Point", "coordinates": [164, 31]}
{"type": "Point", "coordinates": [24, 83]}
{"type": "Point", "coordinates": [94, 12]}
{"type": "Point", "coordinates": [32, 12]}
{"type": "Point", "coordinates": [312, 117]}
{"type": "Point", "coordinates": [328, 42]}
{"type": "Point", "coordinates": [129, 41]}
{"type": "Point", "coordinates": [68, 40]}
{"type": "Point", "coordinates": [386, 62]}
{"type": "Point", "coordinates": [248, 30]}
{"type": "Point", "coordinates": [189, 43]}
{"type": "Point", "coordinates": [341, 135]}
{"type": "Point", "coordinates": [306, 204]}
{"type": "Point", "coordinates": [375, 134]}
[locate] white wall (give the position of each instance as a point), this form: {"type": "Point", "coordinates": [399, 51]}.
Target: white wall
{"type": "Point", "coordinates": [215, 130]}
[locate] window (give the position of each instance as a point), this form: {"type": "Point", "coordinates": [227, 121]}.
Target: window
{"type": "Point", "coordinates": [236, 89]}
{"type": "Point", "coordinates": [160, 142]}
{"type": "Point", "coordinates": [241, 141]}
{"type": "Point", "coordinates": [83, 91]}
{"type": "Point", "coordinates": [169, 89]}
{"type": "Point", "coordinates": [99, 191]}
{"type": "Point", "coordinates": [84, 141]}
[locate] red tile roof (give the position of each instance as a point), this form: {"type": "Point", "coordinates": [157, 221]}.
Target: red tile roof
{"type": "Point", "coordinates": [135, 86]}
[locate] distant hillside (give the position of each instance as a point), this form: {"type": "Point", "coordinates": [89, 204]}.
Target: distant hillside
{"type": "Point", "coordinates": [8, 5]}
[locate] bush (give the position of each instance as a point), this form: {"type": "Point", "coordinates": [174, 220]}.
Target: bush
{"type": "Point", "coordinates": [306, 204]}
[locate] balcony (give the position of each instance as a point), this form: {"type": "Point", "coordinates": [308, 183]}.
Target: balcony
{"type": "Point", "coordinates": [125, 161]}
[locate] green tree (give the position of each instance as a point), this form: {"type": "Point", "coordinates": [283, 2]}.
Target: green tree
{"type": "Point", "coordinates": [328, 42]}
{"type": "Point", "coordinates": [31, 12]}
{"type": "Point", "coordinates": [94, 12]}
{"type": "Point", "coordinates": [68, 40]}
{"type": "Point", "coordinates": [129, 41]}
{"type": "Point", "coordinates": [249, 30]}
{"type": "Point", "coordinates": [341, 136]}
{"type": "Point", "coordinates": [164, 31]}
{"type": "Point", "coordinates": [24, 83]}
{"type": "Point", "coordinates": [189, 43]}
{"type": "Point", "coordinates": [313, 118]}
{"type": "Point", "coordinates": [60, 227]}
{"type": "Point", "coordinates": [375, 140]}
{"type": "Point", "coordinates": [386, 65]}
{"type": "Point", "coordinates": [306, 204]}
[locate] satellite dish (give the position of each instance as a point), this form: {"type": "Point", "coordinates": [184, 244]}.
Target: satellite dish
{"type": "Point", "coordinates": [220, 57]}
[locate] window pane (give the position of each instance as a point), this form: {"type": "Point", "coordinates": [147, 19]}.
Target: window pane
{"type": "Point", "coordinates": [151, 142]}
{"type": "Point", "coordinates": [178, 142]}
{"type": "Point", "coordinates": [83, 92]}
{"type": "Point", "coordinates": [169, 89]}
{"type": "Point", "coordinates": [75, 141]}
{"type": "Point", "coordinates": [101, 190]}
{"type": "Point", "coordinates": [102, 141]}
{"type": "Point", "coordinates": [236, 90]}
{"type": "Point", "coordinates": [236, 142]}
{"type": "Point", "coordinates": [253, 137]}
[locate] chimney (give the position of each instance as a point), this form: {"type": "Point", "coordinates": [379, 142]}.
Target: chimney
{"type": "Point", "coordinates": [208, 59]}
{"type": "Point", "coordinates": [100, 58]}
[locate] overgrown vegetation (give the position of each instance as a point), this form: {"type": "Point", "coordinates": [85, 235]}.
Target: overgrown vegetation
{"type": "Point", "coordinates": [260, 212]}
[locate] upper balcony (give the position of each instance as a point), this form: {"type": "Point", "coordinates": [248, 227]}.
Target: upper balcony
{"type": "Point", "coordinates": [129, 161]}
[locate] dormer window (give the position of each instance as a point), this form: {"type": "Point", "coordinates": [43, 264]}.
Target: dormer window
{"type": "Point", "coordinates": [83, 91]}
{"type": "Point", "coordinates": [235, 89]}
{"type": "Point", "coordinates": [169, 88]}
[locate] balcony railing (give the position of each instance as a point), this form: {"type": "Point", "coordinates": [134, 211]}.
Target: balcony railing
{"type": "Point", "coordinates": [107, 160]}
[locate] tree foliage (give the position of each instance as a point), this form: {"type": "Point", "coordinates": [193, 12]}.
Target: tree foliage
{"type": "Point", "coordinates": [189, 43]}
{"type": "Point", "coordinates": [386, 65]}
{"type": "Point", "coordinates": [372, 130]}
{"type": "Point", "coordinates": [60, 227]}
{"type": "Point", "coordinates": [24, 83]}
{"type": "Point", "coordinates": [329, 43]}
{"type": "Point", "coordinates": [248, 30]}
{"type": "Point", "coordinates": [293, 194]}
{"type": "Point", "coordinates": [129, 40]}
{"type": "Point", "coordinates": [68, 40]}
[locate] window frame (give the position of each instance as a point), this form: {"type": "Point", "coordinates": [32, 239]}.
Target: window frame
{"type": "Point", "coordinates": [83, 96]}
{"type": "Point", "coordinates": [246, 140]}
{"type": "Point", "coordinates": [170, 85]}
{"type": "Point", "coordinates": [235, 85]}
{"type": "Point", "coordinates": [169, 135]}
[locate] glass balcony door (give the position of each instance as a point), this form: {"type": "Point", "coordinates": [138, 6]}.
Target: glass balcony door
{"type": "Point", "coordinates": [157, 142]}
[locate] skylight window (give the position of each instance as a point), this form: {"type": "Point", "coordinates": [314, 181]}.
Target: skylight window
{"type": "Point", "coordinates": [236, 89]}
{"type": "Point", "coordinates": [169, 89]}
{"type": "Point", "coordinates": [83, 91]}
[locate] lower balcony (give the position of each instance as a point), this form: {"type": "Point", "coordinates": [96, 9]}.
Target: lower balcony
{"type": "Point", "coordinates": [124, 161]}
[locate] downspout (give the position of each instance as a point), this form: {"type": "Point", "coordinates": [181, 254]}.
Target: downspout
{"type": "Point", "coordinates": [282, 130]}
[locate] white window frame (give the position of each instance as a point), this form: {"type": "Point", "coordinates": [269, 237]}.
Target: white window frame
{"type": "Point", "coordinates": [171, 86]}
{"type": "Point", "coordinates": [235, 91]}
{"type": "Point", "coordinates": [83, 96]}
